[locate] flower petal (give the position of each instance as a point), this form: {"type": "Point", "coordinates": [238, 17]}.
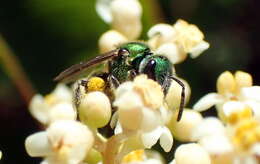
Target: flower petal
{"type": "Point", "coordinates": [151, 119]}
{"type": "Point", "coordinates": [39, 109]}
{"type": "Point", "coordinates": [165, 115]}
{"type": "Point", "coordinates": [129, 110]}
{"type": "Point", "coordinates": [166, 139]}
{"type": "Point", "coordinates": [216, 144]}
{"type": "Point", "coordinates": [231, 107]}
{"type": "Point", "coordinates": [165, 31]}
{"type": "Point", "coordinates": [191, 154]}
{"type": "Point", "coordinates": [62, 111]}
{"type": "Point", "coordinates": [123, 88]}
{"type": "Point", "coordinates": [150, 138]}
{"type": "Point", "coordinates": [103, 10]}
{"type": "Point", "coordinates": [251, 93]}
{"type": "Point", "coordinates": [208, 101]}
{"type": "Point", "coordinates": [62, 92]}
{"type": "Point", "coordinates": [37, 145]}
{"type": "Point", "coordinates": [171, 51]}
{"type": "Point", "coordinates": [243, 79]}
{"type": "Point", "coordinates": [255, 106]}
{"type": "Point", "coordinates": [198, 49]}
{"type": "Point", "coordinates": [207, 127]}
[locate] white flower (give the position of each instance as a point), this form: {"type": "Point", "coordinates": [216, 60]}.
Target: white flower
{"type": "Point", "coordinates": [176, 41]}
{"type": "Point", "coordinates": [191, 153]}
{"type": "Point", "coordinates": [140, 109]}
{"type": "Point", "coordinates": [213, 136]}
{"type": "Point", "coordinates": [125, 19]}
{"type": "Point", "coordinates": [230, 87]}
{"type": "Point", "coordinates": [64, 142]}
{"type": "Point", "coordinates": [236, 142]}
{"type": "Point", "coordinates": [55, 106]}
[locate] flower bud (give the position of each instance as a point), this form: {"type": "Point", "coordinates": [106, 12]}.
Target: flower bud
{"type": "Point", "coordinates": [127, 17]}
{"type": "Point", "coordinates": [183, 129]}
{"type": "Point", "coordinates": [110, 40]}
{"type": "Point", "coordinates": [226, 83]}
{"type": "Point", "coordinates": [191, 153]}
{"type": "Point", "coordinates": [95, 109]}
{"type": "Point", "coordinates": [173, 97]}
{"type": "Point", "coordinates": [243, 79]}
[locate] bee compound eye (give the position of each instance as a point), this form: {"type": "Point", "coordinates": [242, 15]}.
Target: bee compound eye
{"type": "Point", "coordinates": [123, 52]}
{"type": "Point", "coordinates": [149, 69]}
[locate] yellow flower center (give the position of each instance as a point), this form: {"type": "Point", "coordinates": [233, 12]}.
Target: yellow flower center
{"type": "Point", "coordinates": [96, 84]}
{"type": "Point", "coordinates": [246, 133]}
{"type": "Point", "coordinates": [137, 155]}
{"type": "Point", "coordinates": [235, 117]}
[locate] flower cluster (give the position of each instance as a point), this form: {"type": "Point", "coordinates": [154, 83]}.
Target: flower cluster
{"type": "Point", "coordinates": [93, 122]}
{"type": "Point", "coordinates": [173, 41]}
{"type": "Point", "coordinates": [233, 137]}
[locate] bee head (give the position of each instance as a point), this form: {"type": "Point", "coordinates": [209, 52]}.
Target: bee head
{"type": "Point", "coordinates": [134, 51]}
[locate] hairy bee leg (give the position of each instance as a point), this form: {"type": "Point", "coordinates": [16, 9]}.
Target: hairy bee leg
{"type": "Point", "coordinates": [182, 97]}
{"type": "Point", "coordinates": [77, 91]}
{"type": "Point", "coordinates": [113, 81]}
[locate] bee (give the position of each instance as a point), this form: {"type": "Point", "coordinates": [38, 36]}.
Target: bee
{"type": "Point", "coordinates": [123, 64]}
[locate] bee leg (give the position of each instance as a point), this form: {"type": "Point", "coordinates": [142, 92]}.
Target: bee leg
{"type": "Point", "coordinates": [113, 82]}
{"type": "Point", "coordinates": [166, 85]}
{"type": "Point", "coordinates": [182, 96]}
{"type": "Point", "coordinates": [80, 83]}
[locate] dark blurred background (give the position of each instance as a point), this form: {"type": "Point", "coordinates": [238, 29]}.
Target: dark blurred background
{"type": "Point", "coordinates": [46, 36]}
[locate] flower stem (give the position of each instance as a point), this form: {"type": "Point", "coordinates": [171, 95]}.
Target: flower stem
{"type": "Point", "coordinates": [112, 149]}
{"type": "Point", "coordinates": [100, 142]}
{"type": "Point", "coordinates": [15, 71]}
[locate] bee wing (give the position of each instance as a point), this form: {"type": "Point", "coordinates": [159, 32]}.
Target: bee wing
{"type": "Point", "coordinates": [75, 71]}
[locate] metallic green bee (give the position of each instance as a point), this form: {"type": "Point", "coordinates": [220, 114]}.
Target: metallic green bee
{"type": "Point", "coordinates": [124, 64]}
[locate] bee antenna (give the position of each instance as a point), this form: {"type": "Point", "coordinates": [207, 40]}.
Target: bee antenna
{"type": "Point", "coordinates": [182, 97]}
